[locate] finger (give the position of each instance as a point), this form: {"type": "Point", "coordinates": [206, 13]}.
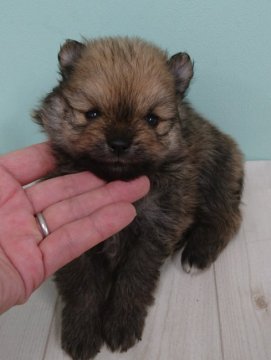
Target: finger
{"type": "Point", "coordinates": [51, 191]}
{"type": "Point", "coordinates": [79, 206]}
{"type": "Point", "coordinates": [73, 239]}
{"type": "Point", "coordinates": [30, 163]}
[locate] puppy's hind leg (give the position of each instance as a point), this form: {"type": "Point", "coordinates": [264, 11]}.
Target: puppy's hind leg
{"type": "Point", "coordinates": [206, 239]}
{"type": "Point", "coordinates": [218, 216]}
{"type": "Point", "coordinates": [217, 221]}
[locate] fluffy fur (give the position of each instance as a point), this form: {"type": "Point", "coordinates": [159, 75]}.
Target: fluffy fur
{"type": "Point", "coordinates": [119, 111]}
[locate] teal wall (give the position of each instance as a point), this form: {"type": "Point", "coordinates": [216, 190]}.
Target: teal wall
{"type": "Point", "coordinates": [230, 42]}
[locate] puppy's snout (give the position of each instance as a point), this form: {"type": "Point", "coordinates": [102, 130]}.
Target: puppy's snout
{"type": "Point", "coordinates": [119, 145]}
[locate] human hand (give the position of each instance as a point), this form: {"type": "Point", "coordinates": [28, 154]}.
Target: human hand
{"type": "Point", "coordinates": [80, 210]}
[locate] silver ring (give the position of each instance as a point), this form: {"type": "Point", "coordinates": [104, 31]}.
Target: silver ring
{"type": "Point", "coordinates": [42, 223]}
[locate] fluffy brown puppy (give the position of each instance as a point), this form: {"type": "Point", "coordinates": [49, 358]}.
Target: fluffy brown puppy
{"type": "Point", "coordinates": [119, 112]}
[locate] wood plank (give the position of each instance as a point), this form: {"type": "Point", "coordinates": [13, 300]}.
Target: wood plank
{"type": "Point", "coordinates": [24, 329]}
{"type": "Point", "coordinates": [243, 274]}
{"type": "Point", "coordinates": [256, 201]}
{"type": "Point", "coordinates": [183, 323]}
{"type": "Point", "coordinates": [244, 295]}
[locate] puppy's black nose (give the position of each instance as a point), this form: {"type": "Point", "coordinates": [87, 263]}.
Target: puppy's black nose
{"type": "Point", "coordinates": [119, 145]}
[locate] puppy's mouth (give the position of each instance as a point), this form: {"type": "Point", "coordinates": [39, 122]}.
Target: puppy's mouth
{"type": "Point", "coordinates": [114, 168]}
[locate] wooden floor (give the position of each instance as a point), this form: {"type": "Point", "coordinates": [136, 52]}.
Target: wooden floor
{"type": "Point", "coordinates": [223, 313]}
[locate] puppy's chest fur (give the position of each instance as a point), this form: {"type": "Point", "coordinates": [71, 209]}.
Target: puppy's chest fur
{"type": "Point", "coordinates": [159, 223]}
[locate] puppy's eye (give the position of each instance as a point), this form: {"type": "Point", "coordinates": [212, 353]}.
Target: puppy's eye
{"type": "Point", "coordinates": [152, 119]}
{"type": "Point", "coordinates": [92, 114]}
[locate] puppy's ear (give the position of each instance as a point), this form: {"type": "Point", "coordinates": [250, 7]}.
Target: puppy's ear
{"type": "Point", "coordinates": [181, 67]}
{"type": "Point", "coordinates": [69, 53]}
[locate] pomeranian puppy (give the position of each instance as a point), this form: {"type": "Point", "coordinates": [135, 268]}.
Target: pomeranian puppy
{"type": "Point", "coordinates": [119, 112]}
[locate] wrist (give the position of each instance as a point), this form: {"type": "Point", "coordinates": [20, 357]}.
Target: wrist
{"type": "Point", "coordinates": [10, 286]}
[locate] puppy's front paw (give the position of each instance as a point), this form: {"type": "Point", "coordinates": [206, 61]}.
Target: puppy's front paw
{"type": "Point", "coordinates": [122, 327]}
{"type": "Point", "coordinates": [81, 337]}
